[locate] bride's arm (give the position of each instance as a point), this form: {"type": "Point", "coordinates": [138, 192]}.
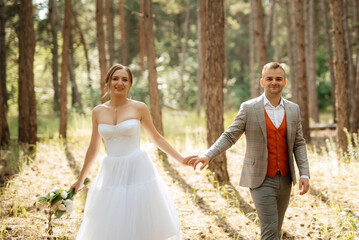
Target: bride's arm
{"type": "Point", "coordinates": [157, 138]}
{"type": "Point", "coordinates": [91, 152]}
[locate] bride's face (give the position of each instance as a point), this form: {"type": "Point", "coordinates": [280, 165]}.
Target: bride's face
{"type": "Point", "coordinates": [120, 83]}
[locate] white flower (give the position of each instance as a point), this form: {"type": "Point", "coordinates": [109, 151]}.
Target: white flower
{"type": "Point", "coordinates": [70, 206]}
{"type": "Point", "coordinates": [52, 194]}
{"type": "Point", "coordinates": [62, 207]}
{"type": "Point", "coordinates": [64, 194]}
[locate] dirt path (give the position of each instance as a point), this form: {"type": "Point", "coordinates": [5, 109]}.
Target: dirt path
{"type": "Point", "coordinates": [205, 212]}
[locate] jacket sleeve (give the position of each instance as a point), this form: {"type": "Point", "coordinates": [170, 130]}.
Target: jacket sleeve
{"type": "Point", "coordinates": [230, 136]}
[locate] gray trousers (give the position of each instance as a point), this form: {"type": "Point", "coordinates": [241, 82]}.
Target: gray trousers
{"type": "Point", "coordinates": [271, 201]}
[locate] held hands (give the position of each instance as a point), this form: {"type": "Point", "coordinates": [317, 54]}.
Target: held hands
{"type": "Point", "coordinates": [199, 159]}
{"type": "Point", "coordinates": [303, 186]}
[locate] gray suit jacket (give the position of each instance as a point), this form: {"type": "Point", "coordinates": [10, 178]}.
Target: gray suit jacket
{"type": "Point", "coordinates": [251, 121]}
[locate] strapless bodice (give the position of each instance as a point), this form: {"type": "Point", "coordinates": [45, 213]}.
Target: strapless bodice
{"type": "Point", "coordinates": [121, 139]}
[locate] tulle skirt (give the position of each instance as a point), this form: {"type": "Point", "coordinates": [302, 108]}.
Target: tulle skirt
{"type": "Point", "coordinates": [129, 201]}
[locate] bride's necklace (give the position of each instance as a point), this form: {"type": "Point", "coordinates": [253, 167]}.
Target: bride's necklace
{"type": "Point", "coordinates": [117, 107]}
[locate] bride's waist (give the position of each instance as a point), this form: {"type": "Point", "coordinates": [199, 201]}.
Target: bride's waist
{"type": "Point", "coordinates": [125, 154]}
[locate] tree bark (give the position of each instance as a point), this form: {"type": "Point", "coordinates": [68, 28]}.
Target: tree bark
{"type": "Point", "coordinates": [55, 54]}
{"type": "Point", "coordinates": [64, 69]}
{"type": "Point", "coordinates": [350, 66]}
{"type": "Point", "coordinates": [101, 47]}
{"type": "Point", "coordinates": [252, 47]}
{"type": "Point", "coordinates": [183, 56]}
{"type": "Point", "coordinates": [356, 92]}
{"type": "Point", "coordinates": [213, 82]}
{"type": "Point", "coordinates": [289, 47]}
{"type": "Point", "coordinates": [301, 69]}
{"type": "Point", "coordinates": [4, 128]}
{"type": "Point", "coordinates": [123, 33]}
{"type": "Point", "coordinates": [27, 100]}
{"type": "Point", "coordinates": [200, 28]}
{"type": "Point", "coordinates": [109, 25]}
{"type": "Point", "coordinates": [340, 73]}
{"type": "Point", "coordinates": [142, 38]}
{"type": "Point", "coordinates": [328, 45]}
{"type": "Point", "coordinates": [276, 44]}
{"type": "Point", "coordinates": [293, 50]}
{"type": "Point", "coordinates": [76, 96]}
{"type": "Point", "coordinates": [155, 103]}
{"type": "Point", "coordinates": [310, 60]}
{"type": "Point", "coordinates": [3, 54]}
{"type": "Point", "coordinates": [269, 27]}
{"type": "Point", "coordinates": [260, 40]}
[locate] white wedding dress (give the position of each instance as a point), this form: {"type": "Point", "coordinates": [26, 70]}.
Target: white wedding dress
{"type": "Point", "coordinates": [128, 199]}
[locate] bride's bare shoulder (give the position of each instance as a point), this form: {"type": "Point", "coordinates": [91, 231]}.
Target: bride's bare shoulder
{"type": "Point", "coordinates": [137, 104]}
{"type": "Point", "coordinates": [101, 107]}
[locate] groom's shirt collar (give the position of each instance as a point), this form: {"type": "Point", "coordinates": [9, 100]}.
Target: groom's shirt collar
{"type": "Point", "coordinates": [266, 102]}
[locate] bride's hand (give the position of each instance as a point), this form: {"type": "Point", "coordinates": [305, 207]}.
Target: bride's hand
{"type": "Point", "coordinates": [187, 159]}
{"type": "Point", "coordinates": [78, 185]}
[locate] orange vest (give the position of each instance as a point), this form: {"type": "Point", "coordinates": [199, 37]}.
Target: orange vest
{"type": "Point", "coordinates": [277, 147]}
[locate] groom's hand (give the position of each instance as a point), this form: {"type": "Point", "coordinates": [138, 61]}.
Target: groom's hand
{"type": "Point", "coordinates": [303, 185]}
{"type": "Point", "coordinates": [204, 159]}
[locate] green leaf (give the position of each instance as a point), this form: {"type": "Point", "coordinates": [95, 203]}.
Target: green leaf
{"type": "Point", "coordinates": [59, 213]}
{"type": "Point", "coordinates": [55, 199]}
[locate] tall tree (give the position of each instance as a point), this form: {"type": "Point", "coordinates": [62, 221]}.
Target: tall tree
{"type": "Point", "coordinates": [142, 39]}
{"type": "Point", "coordinates": [54, 51]}
{"type": "Point", "coordinates": [27, 100]}
{"type": "Point", "coordinates": [349, 64]}
{"type": "Point", "coordinates": [201, 54]}
{"type": "Point", "coordinates": [183, 56]}
{"type": "Point", "coordinates": [109, 25]}
{"type": "Point", "coordinates": [123, 32]}
{"type": "Point", "coordinates": [76, 96]}
{"type": "Point", "coordinates": [260, 38]}
{"type": "Point", "coordinates": [269, 27]}
{"type": "Point", "coordinates": [213, 81]}
{"type": "Point", "coordinates": [155, 102]}
{"type": "Point", "coordinates": [64, 69]}
{"type": "Point", "coordinates": [340, 73]}
{"type": "Point", "coordinates": [301, 69]}
{"type": "Point", "coordinates": [355, 111]}
{"type": "Point", "coordinates": [310, 60]}
{"type": "Point", "coordinates": [293, 50]}
{"type": "Point", "coordinates": [3, 53]}
{"type": "Point", "coordinates": [4, 129]}
{"type": "Point", "coordinates": [252, 30]}
{"type": "Point", "coordinates": [101, 47]}
{"type": "Point", "coordinates": [328, 45]}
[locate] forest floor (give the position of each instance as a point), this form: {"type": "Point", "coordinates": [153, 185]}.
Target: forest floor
{"type": "Point", "coordinates": [329, 211]}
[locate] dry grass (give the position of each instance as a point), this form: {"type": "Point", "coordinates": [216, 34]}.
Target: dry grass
{"type": "Point", "coordinates": [330, 211]}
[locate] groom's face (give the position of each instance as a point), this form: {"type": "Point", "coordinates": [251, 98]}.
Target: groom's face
{"type": "Point", "coordinates": [273, 81]}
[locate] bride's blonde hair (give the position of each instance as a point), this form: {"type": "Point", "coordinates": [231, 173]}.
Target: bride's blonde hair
{"type": "Point", "coordinates": [110, 73]}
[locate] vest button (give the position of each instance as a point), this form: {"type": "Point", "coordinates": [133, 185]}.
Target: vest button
{"type": "Point", "coordinates": [278, 155]}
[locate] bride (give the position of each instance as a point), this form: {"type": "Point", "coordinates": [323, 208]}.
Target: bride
{"type": "Point", "coordinates": [128, 199]}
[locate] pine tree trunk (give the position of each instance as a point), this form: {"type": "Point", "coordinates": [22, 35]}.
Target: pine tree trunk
{"type": "Point", "coordinates": [3, 54]}
{"type": "Point", "coordinates": [64, 69]}
{"type": "Point", "coordinates": [310, 60]}
{"type": "Point", "coordinates": [340, 73]}
{"type": "Point", "coordinates": [213, 83]}
{"type": "Point", "coordinates": [356, 92]}
{"type": "Point", "coordinates": [183, 56]}
{"type": "Point", "coordinates": [289, 45]}
{"type": "Point", "coordinates": [301, 69]}
{"type": "Point", "coordinates": [142, 39]}
{"type": "Point", "coordinates": [83, 42]}
{"type": "Point", "coordinates": [200, 60]}
{"type": "Point", "coordinates": [27, 100]}
{"type": "Point", "coordinates": [155, 102]}
{"type": "Point", "coordinates": [269, 27]}
{"type": "Point", "coordinates": [55, 54]}
{"type": "Point", "coordinates": [276, 44]}
{"type": "Point", "coordinates": [109, 25]}
{"type": "Point", "coordinates": [101, 47]}
{"type": "Point", "coordinates": [293, 50]}
{"type": "Point", "coordinates": [4, 128]}
{"type": "Point", "coordinates": [252, 47]}
{"type": "Point", "coordinates": [350, 66]}
{"type": "Point", "coordinates": [328, 45]}
{"type": "Point", "coordinates": [76, 96]}
{"type": "Point", "coordinates": [123, 33]}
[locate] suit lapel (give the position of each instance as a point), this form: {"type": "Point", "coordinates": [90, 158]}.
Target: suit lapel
{"type": "Point", "coordinates": [289, 116]}
{"type": "Point", "coordinates": [259, 109]}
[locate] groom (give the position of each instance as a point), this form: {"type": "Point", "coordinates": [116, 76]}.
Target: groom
{"type": "Point", "coordinates": [274, 134]}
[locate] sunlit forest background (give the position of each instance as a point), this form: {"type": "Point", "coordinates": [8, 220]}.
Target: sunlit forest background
{"type": "Point", "coordinates": [202, 58]}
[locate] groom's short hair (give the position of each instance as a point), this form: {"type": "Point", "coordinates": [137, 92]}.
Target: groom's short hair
{"type": "Point", "coordinates": [273, 65]}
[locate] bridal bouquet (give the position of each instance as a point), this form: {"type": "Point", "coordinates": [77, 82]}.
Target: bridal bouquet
{"type": "Point", "coordinates": [60, 202]}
